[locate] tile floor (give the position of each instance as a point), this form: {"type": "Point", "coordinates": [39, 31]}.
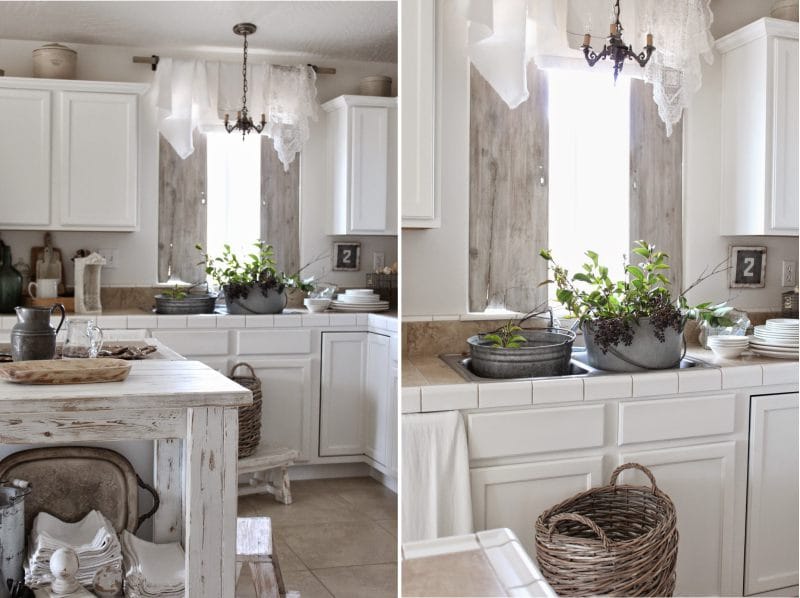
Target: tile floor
{"type": "Point", "coordinates": [337, 539]}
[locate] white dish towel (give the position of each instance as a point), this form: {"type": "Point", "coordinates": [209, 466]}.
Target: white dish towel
{"type": "Point", "coordinates": [435, 477]}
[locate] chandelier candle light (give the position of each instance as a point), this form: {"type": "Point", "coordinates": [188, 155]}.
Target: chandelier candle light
{"type": "Point", "coordinates": [616, 49]}
{"type": "Point", "coordinates": [244, 123]}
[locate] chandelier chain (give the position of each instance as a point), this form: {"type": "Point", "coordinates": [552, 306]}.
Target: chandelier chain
{"type": "Point", "coordinates": [244, 77]}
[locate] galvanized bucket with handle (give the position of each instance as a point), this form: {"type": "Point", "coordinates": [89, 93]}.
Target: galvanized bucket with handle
{"type": "Point", "coordinates": [12, 531]}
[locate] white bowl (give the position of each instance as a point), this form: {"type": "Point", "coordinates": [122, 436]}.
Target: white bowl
{"type": "Point", "coordinates": [727, 341]}
{"type": "Point", "coordinates": [316, 305]}
{"type": "Point", "coordinates": [727, 352]}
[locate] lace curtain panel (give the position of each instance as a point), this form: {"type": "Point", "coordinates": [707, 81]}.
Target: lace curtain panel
{"type": "Point", "coordinates": [191, 94]}
{"type": "Point", "coordinates": [504, 35]}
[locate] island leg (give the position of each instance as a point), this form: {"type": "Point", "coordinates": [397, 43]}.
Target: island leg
{"type": "Point", "coordinates": [168, 481]}
{"type": "Point", "coordinates": [211, 503]}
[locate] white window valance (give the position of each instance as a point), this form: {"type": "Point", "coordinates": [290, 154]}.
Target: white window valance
{"type": "Point", "coordinates": [193, 94]}
{"type": "Point", "coordinates": [503, 35]}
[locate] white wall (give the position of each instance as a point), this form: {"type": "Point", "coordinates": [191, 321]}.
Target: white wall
{"type": "Point", "coordinates": [435, 261]}
{"type": "Point", "coordinates": [703, 246]}
{"type": "Point", "coordinates": [139, 251]}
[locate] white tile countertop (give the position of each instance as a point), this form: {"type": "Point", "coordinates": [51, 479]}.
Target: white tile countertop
{"type": "Point", "coordinates": [488, 563]}
{"type": "Point", "coordinates": [290, 318]}
{"type": "Point", "coordinates": [432, 386]}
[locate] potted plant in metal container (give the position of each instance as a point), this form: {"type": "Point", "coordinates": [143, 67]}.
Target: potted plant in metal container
{"type": "Point", "coordinates": [184, 300]}
{"type": "Point", "coordinates": [632, 324]}
{"type": "Point", "coordinates": [253, 285]}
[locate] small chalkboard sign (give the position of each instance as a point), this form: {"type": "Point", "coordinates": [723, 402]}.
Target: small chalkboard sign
{"type": "Point", "coordinates": [346, 256]}
{"type": "Point", "coordinates": [748, 267]}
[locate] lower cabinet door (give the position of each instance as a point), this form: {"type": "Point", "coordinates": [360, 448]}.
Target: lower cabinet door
{"type": "Point", "coordinates": [514, 496]}
{"type": "Point", "coordinates": [376, 399]}
{"type": "Point", "coordinates": [771, 553]}
{"type": "Point", "coordinates": [700, 481]}
{"type": "Point", "coordinates": [392, 428]}
{"type": "Point", "coordinates": [286, 402]}
{"type": "Point", "coordinates": [341, 419]}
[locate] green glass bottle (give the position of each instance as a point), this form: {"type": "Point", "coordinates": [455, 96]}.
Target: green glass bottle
{"type": "Point", "coordinates": [10, 283]}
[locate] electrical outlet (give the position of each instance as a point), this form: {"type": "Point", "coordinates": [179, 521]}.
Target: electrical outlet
{"type": "Point", "coordinates": [111, 255]}
{"type": "Point", "coordinates": [378, 261]}
{"type": "Point", "coordinates": [788, 273]}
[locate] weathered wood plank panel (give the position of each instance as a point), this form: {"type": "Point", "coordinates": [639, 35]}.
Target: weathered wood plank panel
{"type": "Point", "coordinates": [45, 428]}
{"type": "Point", "coordinates": [656, 188]}
{"type": "Point", "coordinates": [508, 196]}
{"type": "Point", "coordinates": [181, 210]}
{"type": "Point", "coordinates": [168, 482]}
{"type": "Point", "coordinates": [280, 207]}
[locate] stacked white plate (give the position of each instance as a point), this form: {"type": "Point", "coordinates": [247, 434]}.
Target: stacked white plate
{"type": "Point", "coordinates": [777, 338]}
{"type": "Point", "coordinates": [359, 300]}
{"type": "Point", "coordinates": [93, 539]}
{"type": "Point", "coordinates": [152, 569]}
{"type": "Point", "coordinates": [727, 346]}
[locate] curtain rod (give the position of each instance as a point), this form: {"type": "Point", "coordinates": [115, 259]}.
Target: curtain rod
{"type": "Point", "coordinates": [154, 59]}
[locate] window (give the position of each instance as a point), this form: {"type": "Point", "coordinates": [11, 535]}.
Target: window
{"type": "Point", "coordinates": [234, 192]}
{"type": "Point", "coordinates": [589, 120]}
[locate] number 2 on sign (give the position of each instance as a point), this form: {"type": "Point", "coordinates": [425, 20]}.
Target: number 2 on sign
{"type": "Point", "coordinates": [750, 262]}
{"type": "Point", "coordinates": [348, 254]}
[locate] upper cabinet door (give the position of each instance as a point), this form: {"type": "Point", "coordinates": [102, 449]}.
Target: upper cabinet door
{"type": "Point", "coordinates": [24, 158]}
{"type": "Point", "coordinates": [362, 165]}
{"type": "Point", "coordinates": [785, 138]}
{"type": "Point", "coordinates": [418, 80]}
{"type": "Point", "coordinates": [97, 157]}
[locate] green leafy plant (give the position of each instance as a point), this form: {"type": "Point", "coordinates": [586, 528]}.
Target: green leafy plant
{"type": "Point", "coordinates": [611, 308]}
{"type": "Point", "coordinates": [258, 270]}
{"type": "Point", "coordinates": [176, 293]}
{"type": "Point", "coordinates": [715, 315]}
{"type": "Point", "coordinates": [506, 337]}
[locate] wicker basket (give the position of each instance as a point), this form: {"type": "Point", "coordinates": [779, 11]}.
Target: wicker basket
{"type": "Point", "coordinates": [610, 541]}
{"type": "Point", "coordinates": [249, 415]}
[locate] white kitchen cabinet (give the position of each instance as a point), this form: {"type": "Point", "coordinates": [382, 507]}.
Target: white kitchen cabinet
{"type": "Point", "coordinates": [701, 482]}
{"type": "Point", "coordinates": [362, 165]}
{"type": "Point", "coordinates": [771, 553]}
{"type": "Point", "coordinates": [96, 158]}
{"type": "Point", "coordinates": [341, 422]}
{"type": "Point", "coordinates": [286, 409]}
{"type": "Point", "coordinates": [71, 150]}
{"type": "Point", "coordinates": [419, 206]}
{"type": "Point", "coordinates": [392, 447]}
{"type": "Point", "coordinates": [514, 496]}
{"type": "Point", "coordinates": [25, 157]}
{"type": "Point", "coordinates": [760, 129]}
{"type": "Point", "coordinates": [376, 399]}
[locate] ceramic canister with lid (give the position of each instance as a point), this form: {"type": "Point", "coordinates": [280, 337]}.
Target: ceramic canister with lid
{"type": "Point", "coordinates": [54, 61]}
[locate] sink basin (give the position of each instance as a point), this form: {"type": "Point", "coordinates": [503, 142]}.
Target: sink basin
{"type": "Point", "coordinates": [578, 368]}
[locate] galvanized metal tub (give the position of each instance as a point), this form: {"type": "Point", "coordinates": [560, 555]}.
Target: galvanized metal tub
{"type": "Point", "coordinates": [257, 301]}
{"type": "Point", "coordinates": [546, 353]}
{"type": "Point", "coordinates": [644, 353]}
{"type": "Point", "coordinates": [12, 531]}
{"type": "Point", "coordinates": [191, 304]}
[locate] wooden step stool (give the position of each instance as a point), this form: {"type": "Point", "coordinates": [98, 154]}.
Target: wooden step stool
{"type": "Point", "coordinates": [254, 547]}
{"type": "Point", "coordinates": [269, 472]}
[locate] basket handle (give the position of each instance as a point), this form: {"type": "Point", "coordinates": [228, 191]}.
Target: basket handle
{"type": "Point", "coordinates": [556, 519]}
{"type": "Point", "coordinates": [642, 468]}
{"type": "Point", "coordinates": [243, 364]}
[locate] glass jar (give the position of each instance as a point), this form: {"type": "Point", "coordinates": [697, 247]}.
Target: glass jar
{"type": "Point", "coordinates": [741, 323]}
{"type": "Point", "coordinates": [10, 283]}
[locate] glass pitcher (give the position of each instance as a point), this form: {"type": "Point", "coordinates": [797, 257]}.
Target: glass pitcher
{"type": "Point", "coordinates": [84, 339]}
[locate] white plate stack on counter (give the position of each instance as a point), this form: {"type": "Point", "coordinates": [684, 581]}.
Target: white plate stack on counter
{"type": "Point", "coordinates": [152, 569]}
{"type": "Point", "coordinates": [777, 338]}
{"type": "Point", "coordinates": [359, 300]}
{"type": "Point", "coordinates": [93, 540]}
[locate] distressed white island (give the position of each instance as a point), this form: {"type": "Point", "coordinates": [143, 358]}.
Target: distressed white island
{"type": "Point", "coordinates": [190, 411]}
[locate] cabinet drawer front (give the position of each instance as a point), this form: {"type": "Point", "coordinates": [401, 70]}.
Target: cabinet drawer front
{"type": "Point", "coordinates": [510, 433]}
{"type": "Point", "coordinates": [273, 342]}
{"type": "Point", "coordinates": [194, 342]}
{"type": "Point", "coordinates": [673, 419]}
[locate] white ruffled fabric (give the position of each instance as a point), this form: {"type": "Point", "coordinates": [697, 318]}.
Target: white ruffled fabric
{"type": "Point", "coordinates": [190, 94]}
{"type": "Point", "coordinates": [504, 35]}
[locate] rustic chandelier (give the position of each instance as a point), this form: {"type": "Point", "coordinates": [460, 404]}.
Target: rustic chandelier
{"type": "Point", "coordinates": [616, 49]}
{"type": "Point", "coordinates": [243, 122]}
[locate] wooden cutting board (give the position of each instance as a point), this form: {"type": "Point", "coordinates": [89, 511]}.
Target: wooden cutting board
{"type": "Point", "coordinates": [65, 371]}
{"type": "Point", "coordinates": [53, 271]}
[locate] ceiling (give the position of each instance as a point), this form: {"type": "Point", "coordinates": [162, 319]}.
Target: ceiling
{"type": "Point", "coordinates": [347, 30]}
